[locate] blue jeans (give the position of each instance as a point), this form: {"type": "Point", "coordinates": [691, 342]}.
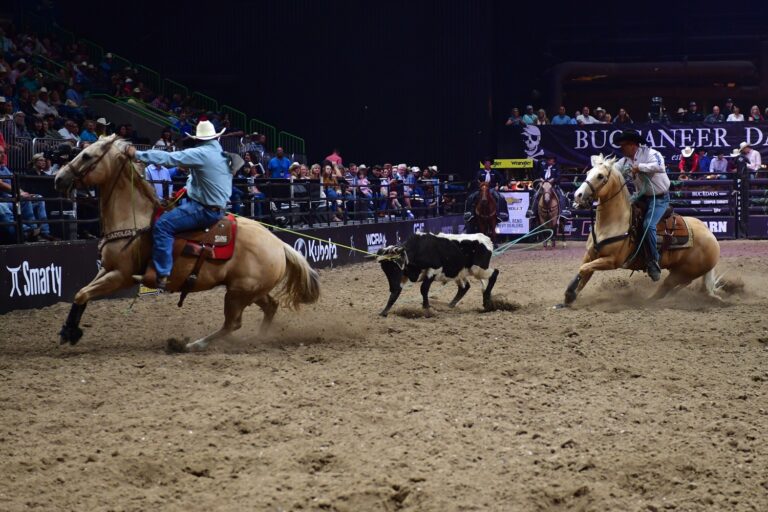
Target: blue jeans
{"type": "Point", "coordinates": [190, 215]}
{"type": "Point", "coordinates": [652, 217]}
{"type": "Point", "coordinates": [31, 211]}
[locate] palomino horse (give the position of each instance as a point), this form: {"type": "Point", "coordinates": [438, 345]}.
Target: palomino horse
{"type": "Point", "coordinates": [260, 261]}
{"type": "Point", "coordinates": [486, 210]}
{"type": "Point", "coordinates": [611, 247]}
{"type": "Point", "coordinates": [548, 210]}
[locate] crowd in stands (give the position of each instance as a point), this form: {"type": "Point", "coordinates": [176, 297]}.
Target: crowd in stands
{"type": "Point", "coordinates": [730, 112]}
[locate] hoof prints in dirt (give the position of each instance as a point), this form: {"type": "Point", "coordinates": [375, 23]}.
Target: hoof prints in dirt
{"type": "Point", "coordinates": [176, 346]}
{"type": "Point", "coordinates": [501, 304]}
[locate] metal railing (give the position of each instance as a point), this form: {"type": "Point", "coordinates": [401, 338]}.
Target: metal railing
{"type": "Point", "coordinates": [291, 143]}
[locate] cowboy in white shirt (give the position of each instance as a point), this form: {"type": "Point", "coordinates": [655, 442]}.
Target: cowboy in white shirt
{"type": "Point", "coordinates": [42, 105]}
{"type": "Point", "coordinates": [651, 188]}
{"type": "Point", "coordinates": [755, 161]}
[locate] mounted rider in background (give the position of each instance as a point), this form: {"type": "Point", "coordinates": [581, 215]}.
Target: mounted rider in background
{"type": "Point", "coordinates": [209, 187]}
{"type": "Point", "coordinates": [548, 170]}
{"type": "Point", "coordinates": [649, 175]}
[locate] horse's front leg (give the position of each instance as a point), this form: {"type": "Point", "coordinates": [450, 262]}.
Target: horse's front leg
{"type": "Point", "coordinates": [585, 273]}
{"type": "Point", "coordinates": [104, 284]}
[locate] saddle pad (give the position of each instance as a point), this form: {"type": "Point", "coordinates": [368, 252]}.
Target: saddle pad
{"type": "Point", "coordinates": [673, 233]}
{"type": "Point", "coordinates": [218, 241]}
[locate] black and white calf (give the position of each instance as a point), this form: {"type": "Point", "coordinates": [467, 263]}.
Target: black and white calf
{"type": "Point", "coordinates": [426, 258]}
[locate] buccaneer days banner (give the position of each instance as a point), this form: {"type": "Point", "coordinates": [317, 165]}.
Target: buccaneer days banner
{"type": "Point", "coordinates": [572, 145]}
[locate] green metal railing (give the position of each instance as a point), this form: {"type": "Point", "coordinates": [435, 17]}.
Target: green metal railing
{"type": "Point", "coordinates": [95, 52]}
{"type": "Point", "coordinates": [267, 129]}
{"type": "Point", "coordinates": [237, 119]}
{"type": "Point", "coordinates": [171, 87]}
{"type": "Point", "coordinates": [291, 143]}
{"type": "Point", "coordinates": [149, 77]}
{"type": "Point", "coordinates": [138, 107]}
{"type": "Point", "coordinates": [204, 102]}
{"type": "Point", "coordinates": [120, 63]}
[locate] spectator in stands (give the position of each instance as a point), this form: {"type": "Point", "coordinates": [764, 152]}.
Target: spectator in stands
{"type": "Point", "coordinates": [561, 118]}
{"type": "Point", "coordinates": [251, 144]}
{"type": "Point", "coordinates": [38, 129]}
{"type": "Point", "coordinates": [754, 160]}
{"type": "Point", "coordinates": [101, 127]}
{"type": "Point", "coordinates": [406, 181]}
{"type": "Point", "coordinates": [541, 117]}
{"type": "Point", "coordinates": [334, 157]}
{"type": "Point", "coordinates": [69, 131]}
{"type": "Point", "coordinates": [43, 105]}
{"type": "Point", "coordinates": [704, 160]}
{"type": "Point", "coordinates": [515, 119]}
{"type": "Point", "coordinates": [254, 166]}
{"type": "Point", "coordinates": [719, 166]}
{"type": "Point", "coordinates": [600, 115]}
{"type": "Point", "coordinates": [754, 114]}
{"type": "Point", "coordinates": [585, 117]}
{"type": "Point", "coordinates": [715, 116]}
{"type": "Point", "coordinates": [32, 209]}
{"type": "Point", "coordinates": [735, 115]}
{"type": "Point", "coordinates": [182, 124]}
{"type": "Point", "coordinates": [279, 165]}
{"type": "Point", "coordinates": [728, 107]}
{"type": "Point", "coordinates": [89, 132]}
{"type": "Point", "coordinates": [693, 115]}
{"type": "Point", "coordinates": [689, 163]}
{"type": "Point", "coordinates": [165, 141]}
{"type": "Point", "coordinates": [75, 94]}
{"type": "Point", "coordinates": [529, 118]}
{"type": "Point", "coordinates": [331, 189]}
{"type": "Point", "coordinates": [161, 178]}
{"type": "Point", "coordinates": [20, 125]}
{"type": "Point", "coordinates": [7, 110]}
{"type": "Point", "coordinates": [50, 131]}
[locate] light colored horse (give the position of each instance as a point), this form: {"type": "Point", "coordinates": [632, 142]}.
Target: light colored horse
{"type": "Point", "coordinates": [260, 261]}
{"type": "Point", "coordinates": [548, 210]}
{"type": "Point", "coordinates": [605, 184]}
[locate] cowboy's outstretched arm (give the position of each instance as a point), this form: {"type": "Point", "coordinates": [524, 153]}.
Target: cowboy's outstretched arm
{"type": "Point", "coordinates": [656, 166]}
{"type": "Point", "coordinates": [192, 157]}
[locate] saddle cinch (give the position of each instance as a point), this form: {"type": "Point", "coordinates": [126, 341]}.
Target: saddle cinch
{"type": "Point", "coordinates": [672, 231]}
{"type": "Point", "coordinates": [216, 244]}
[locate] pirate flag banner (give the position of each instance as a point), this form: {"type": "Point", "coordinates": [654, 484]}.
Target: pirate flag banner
{"type": "Point", "coordinates": [573, 145]}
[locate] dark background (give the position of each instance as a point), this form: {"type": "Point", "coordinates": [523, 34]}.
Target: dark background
{"type": "Point", "coordinates": [424, 82]}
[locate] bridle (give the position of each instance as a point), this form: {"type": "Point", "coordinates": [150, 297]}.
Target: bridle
{"type": "Point", "coordinates": [82, 173]}
{"type": "Point", "coordinates": [607, 178]}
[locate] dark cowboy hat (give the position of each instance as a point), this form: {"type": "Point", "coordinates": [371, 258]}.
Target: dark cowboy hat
{"type": "Point", "coordinates": [628, 136]}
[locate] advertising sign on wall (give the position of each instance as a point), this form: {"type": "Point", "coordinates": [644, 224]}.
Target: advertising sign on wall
{"type": "Point", "coordinates": [517, 204]}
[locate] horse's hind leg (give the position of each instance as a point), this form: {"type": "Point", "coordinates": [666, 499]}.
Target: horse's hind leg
{"type": "Point", "coordinates": [234, 304]}
{"type": "Point", "coordinates": [269, 306]}
{"type": "Point", "coordinates": [673, 282]}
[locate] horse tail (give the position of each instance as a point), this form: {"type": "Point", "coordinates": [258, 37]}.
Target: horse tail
{"type": "Point", "coordinates": [301, 282]}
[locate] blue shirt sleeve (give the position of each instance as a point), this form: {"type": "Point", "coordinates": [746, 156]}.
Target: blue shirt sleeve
{"type": "Point", "coordinates": [192, 157]}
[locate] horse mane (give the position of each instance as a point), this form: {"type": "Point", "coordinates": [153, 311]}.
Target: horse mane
{"type": "Point", "coordinates": [140, 181]}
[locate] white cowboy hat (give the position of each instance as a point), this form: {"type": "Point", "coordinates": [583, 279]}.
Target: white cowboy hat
{"type": "Point", "coordinates": [735, 153]}
{"type": "Point", "coordinates": [744, 145]}
{"type": "Point", "coordinates": [108, 55]}
{"type": "Point", "coordinates": [102, 121]}
{"type": "Point", "coordinates": [43, 89]}
{"type": "Point", "coordinates": [687, 151]}
{"type": "Point", "coordinates": [205, 131]}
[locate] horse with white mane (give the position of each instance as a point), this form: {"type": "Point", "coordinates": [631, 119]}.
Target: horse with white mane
{"type": "Point", "coordinates": [611, 247]}
{"type": "Point", "coordinates": [259, 263]}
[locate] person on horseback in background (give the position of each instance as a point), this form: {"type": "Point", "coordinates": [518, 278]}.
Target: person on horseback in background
{"type": "Point", "coordinates": [649, 175]}
{"type": "Point", "coordinates": [502, 209]}
{"type": "Point", "coordinates": [490, 175]}
{"type": "Point", "coordinates": [208, 189]}
{"type": "Point", "coordinates": [547, 170]}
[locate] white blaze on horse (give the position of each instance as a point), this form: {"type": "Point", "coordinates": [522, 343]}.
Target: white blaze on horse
{"type": "Point", "coordinates": [259, 263]}
{"type": "Point", "coordinates": [611, 245]}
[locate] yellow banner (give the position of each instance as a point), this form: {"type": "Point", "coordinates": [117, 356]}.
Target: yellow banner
{"type": "Point", "coordinates": [511, 163]}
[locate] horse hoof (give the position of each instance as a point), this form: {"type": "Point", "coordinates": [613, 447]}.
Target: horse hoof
{"type": "Point", "coordinates": [383, 314]}
{"type": "Point", "coordinates": [70, 335]}
{"type": "Point", "coordinates": [561, 306]}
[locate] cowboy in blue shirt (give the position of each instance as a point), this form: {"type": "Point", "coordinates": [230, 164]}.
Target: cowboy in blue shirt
{"type": "Point", "coordinates": [208, 188]}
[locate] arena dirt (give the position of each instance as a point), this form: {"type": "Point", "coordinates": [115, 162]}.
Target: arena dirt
{"type": "Point", "coordinates": [616, 404]}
